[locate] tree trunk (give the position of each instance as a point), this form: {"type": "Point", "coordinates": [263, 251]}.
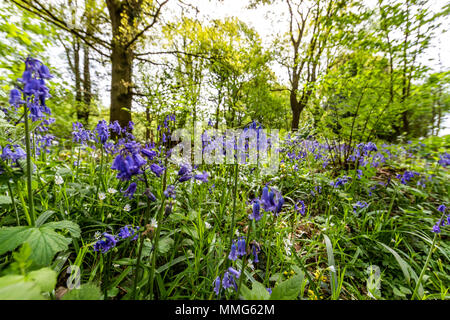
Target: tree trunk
{"type": "Point", "coordinates": [121, 93]}
{"type": "Point", "coordinates": [297, 108]}
{"type": "Point", "coordinates": [77, 73]}
{"type": "Point", "coordinates": [87, 92]}
{"type": "Point", "coordinates": [121, 61]}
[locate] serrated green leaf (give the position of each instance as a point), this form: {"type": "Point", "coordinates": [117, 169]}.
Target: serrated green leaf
{"type": "Point", "coordinates": [44, 242]}
{"type": "Point", "coordinates": [12, 237]}
{"type": "Point", "coordinates": [70, 226]}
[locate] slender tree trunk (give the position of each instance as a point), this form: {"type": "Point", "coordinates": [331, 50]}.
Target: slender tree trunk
{"type": "Point", "coordinates": [77, 73]}
{"type": "Point", "coordinates": [87, 92]}
{"type": "Point", "coordinates": [295, 107]}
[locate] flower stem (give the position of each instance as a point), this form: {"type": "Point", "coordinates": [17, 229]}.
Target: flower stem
{"type": "Point", "coordinates": [244, 261]}
{"type": "Point", "coordinates": [157, 234]}
{"type": "Point", "coordinates": [13, 203]}
{"type": "Point", "coordinates": [29, 169]}
{"type": "Point", "coordinates": [236, 170]}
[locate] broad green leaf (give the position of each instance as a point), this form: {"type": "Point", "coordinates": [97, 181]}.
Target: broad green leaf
{"type": "Point", "coordinates": [45, 278]}
{"type": "Point", "coordinates": [45, 243]}
{"type": "Point", "coordinates": [165, 244]}
{"type": "Point", "coordinates": [258, 292]}
{"type": "Point", "coordinates": [70, 226]}
{"type": "Point", "coordinates": [289, 289]}
{"type": "Point", "coordinates": [43, 217]}
{"type": "Point", "coordinates": [14, 287]}
{"type": "Point", "coordinates": [87, 291]}
{"type": "Point", "coordinates": [12, 237]}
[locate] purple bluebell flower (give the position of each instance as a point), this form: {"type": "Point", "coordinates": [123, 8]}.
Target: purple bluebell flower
{"type": "Point", "coordinates": [12, 153]}
{"type": "Point", "coordinates": [156, 169]}
{"type": "Point", "coordinates": [256, 213]}
{"type": "Point", "coordinates": [170, 191]}
{"type": "Point", "coordinates": [184, 173]}
{"type": "Point", "coordinates": [436, 228]}
{"type": "Point", "coordinates": [340, 182]}
{"type": "Point", "coordinates": [108, 242]}
{"type": "Point", "coordinates": [15, 98]}
{"type": "Point", "coordinates": [150, 195]}
{"type": "Point", "coordinates": [444, 159]}
{"type": "Point", "coordinates": [234, 272]}
{"type": "Point", "coordinates": [302, 210]}
{"type": "Point", "coordinates": [359, 173]}
{"type": "Point", "coordinates": [127, 232]}
{"type": "Point", "coordinates": [255, 251]}
{"type": "Point", "coordinates": [233, 252]}
{"type": "Point", "coordinates": [149, 153]}
{"type": "Point", "coordinates": [407, 176]}
{"type": "Point", "coordinates": [241, 247]}
{"type": "Point", "coordinates": [129, 192]}
{"type": "Point", "coordinates": [360, 204]}
{"type": "Point", "coordinates": [128, 166]}
{"type": "Point", "coordinates": [269, 290]}
{"type": "Point", "coordinates": [102, 131]}
{"type": "Point", "coordinates": [217, 285]}
{"type": "Point", "coordinates": [272, 201]}
{"type": "Point", "coordinates": [228, 281]}
{"type": "Point", "coordinates": [442, 208]}
{"type": "Point", "coordinates": [202, 177]}
{"type": "Point", "coordinates": [115, 127]}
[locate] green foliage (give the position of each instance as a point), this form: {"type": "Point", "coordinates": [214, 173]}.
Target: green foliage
{"type": "Point", "coordinates": [87, 291]}
{"type": "Point", "coordinates": [33, 285]}
{"type": "Point", "coordinates": [43, 240]}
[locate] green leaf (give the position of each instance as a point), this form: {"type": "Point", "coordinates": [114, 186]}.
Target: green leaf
{"type": "Point", "coordinates": [44, 242]}
{"type": "Point", "coordinates": [70, 226]}
{"type": "Point", "coordinates": [14, 287]}
{"type": "Point", "coordinates": [87, 291]}
{"type": "Point", "coordinates": [43, 217]}
{"type": "Point", "coordinates": [165, 244]}
{"type": "Point", "coordinates": [45, 278]}
{"type": "Point", "coordinates": [331, 265]}
{"type": "Point", "coordinates": [5, 200]}
{"type": "Point", "coordinates": [12, 237]}
{"type": "Point", "coordinates": [258, 292]}
{"type": "Point", "coordinates": [289, 289]}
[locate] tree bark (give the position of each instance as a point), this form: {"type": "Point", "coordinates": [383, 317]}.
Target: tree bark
{"type": "Point", "coordinates": [122, 56]}
{"type": "Point", "coordinates": [87, 91]}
